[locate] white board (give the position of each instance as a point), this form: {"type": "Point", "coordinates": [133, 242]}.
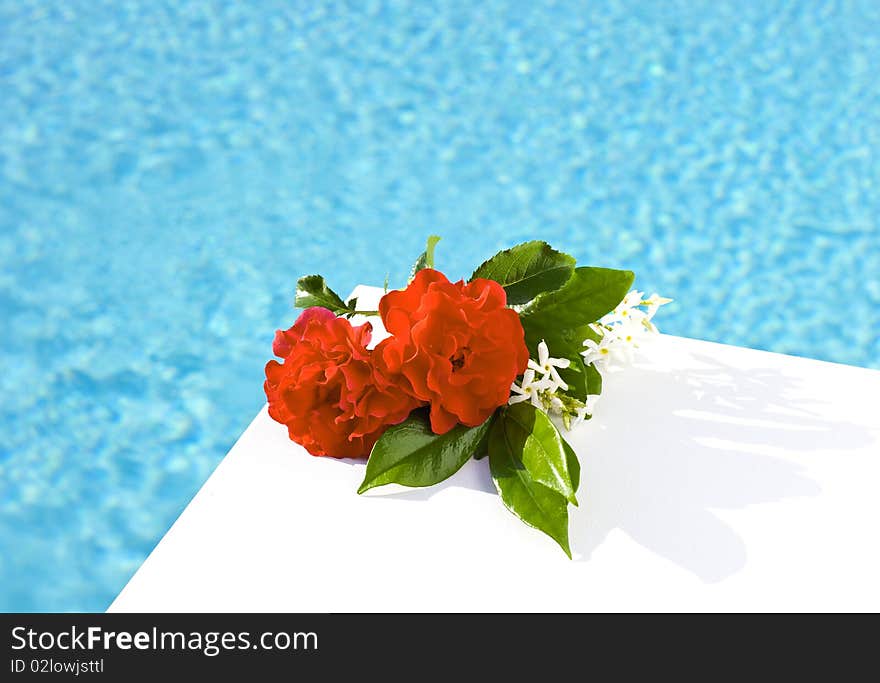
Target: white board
{"type": "Point", "coordinates": [714, 478]}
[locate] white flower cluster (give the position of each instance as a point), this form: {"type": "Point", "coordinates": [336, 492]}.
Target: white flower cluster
{"type": "Point", "coordinates": [618, 333]}
{"type": "Point", "coordinates": [616, 336]}
{"type": "Point", "coordinates": [541, 384]}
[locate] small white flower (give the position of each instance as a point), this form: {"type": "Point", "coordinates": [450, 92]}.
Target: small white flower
{"type": "Point", "coordinates": [626, 310]}
{"type": "Point", "coordinates": [547, 366]}
{"type": "Point", "coordinates": [628, 323]}
{"type": "Point", "coordinates": [598, 353]}
{"type": "Point", "coordinates": [618, 336]}
{"type": "Point", "coordinates": [654, 302]}
{"type": "Point", "coordinates": [633, 298]}
{"type": "Point", "coordinates": [529, 389]}
{"type": "Point", "coordinates": [625, 339]}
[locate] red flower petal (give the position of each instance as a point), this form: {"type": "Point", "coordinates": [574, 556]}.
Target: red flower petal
{"type": "Point", "coordinates": [458, 346]}
{"type": "Point", "coordinates": [327, 391]}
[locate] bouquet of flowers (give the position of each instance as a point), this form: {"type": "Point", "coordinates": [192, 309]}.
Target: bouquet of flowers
{"type": "Point", "coordinates": [493, 366]}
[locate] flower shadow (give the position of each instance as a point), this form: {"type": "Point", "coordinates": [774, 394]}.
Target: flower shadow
{"type": "Point", "coordinates": [669, 448]}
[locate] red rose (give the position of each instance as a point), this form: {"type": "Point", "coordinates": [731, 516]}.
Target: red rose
{"type": "Point", "coordinates": [326, 390]}
{"type": "Point", "coordinates": [458, 346]}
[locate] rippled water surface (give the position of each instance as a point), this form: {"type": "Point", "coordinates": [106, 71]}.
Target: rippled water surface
{"type": "Point", "coordinates": [167, 169]}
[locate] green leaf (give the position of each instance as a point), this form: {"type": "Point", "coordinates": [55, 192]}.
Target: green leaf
{"type": "Point", "coordinates": [534, 503]}
{"type": "Point", "coordinates": [564, 344]}
{"type": "Point", "coordinates": [586, 297]}
{"type": "Point", "coordinates": [538, 445]}
{"type": "Point", "coordinates": [527, 269]}
{"type": "Point", "coordinates": [560, 341]}
{"type": "Point", "coordinates": [594, 379]}
{"type": "Point", "coordinates": [562, 318]}
{"type": "Point", "coordinates": [482, 448]}
{"type": "Point", "coordinates": [582, 380]}
{"type": "Point", "coordinates": [574, 465]}
{"type": "Point", "coordinates": [575, 377]}
{"type": "Point", "coordinates": [351, 304]}
{"type": "Point", "coordinates": [426, 259]}
{"type": "Point", "coordinates": [590, 333]}
{"type": "Point", "coordinates": [412, 455]}
{"type": "Point", "coordinates": [311, 290]}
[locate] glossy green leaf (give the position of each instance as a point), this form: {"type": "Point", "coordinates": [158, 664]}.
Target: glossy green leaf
{"type": "Point", "coordinates": [482, 448]}
{"type": "Point", "coordinates": [562, 342]}
{"type": "Point", "coordinates": [535, 504]}
{"type": "Point", "coordinates": [410, 454]}
{"type": "Point", "coordinates": [586, 297]}
{"type": "Point", "coordinates": [588, 332]}
{"type": "Point", "coordinates": [527, 270]}
{"type": "Point", "coordinates": [538, 445]}
{"type": "Point", "coordinates": [574, 465]}
{"type": "Point", "coordinates": [426, 259]}
{"type": "Point", "coordinates": [312, 290]}
{"type": "Point", "coordinates": [574, 376]}
{"type": "Point", "coordinates": [594, 379]}
{"type": "Point", "coordinates": [567, 343]}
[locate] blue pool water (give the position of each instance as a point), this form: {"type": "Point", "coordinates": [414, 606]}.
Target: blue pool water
{"type": "Point", "coordinates": [168, 169]}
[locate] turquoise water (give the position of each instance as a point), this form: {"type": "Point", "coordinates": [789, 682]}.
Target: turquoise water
{"type": "Point", "coordinates": [168, 169]}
